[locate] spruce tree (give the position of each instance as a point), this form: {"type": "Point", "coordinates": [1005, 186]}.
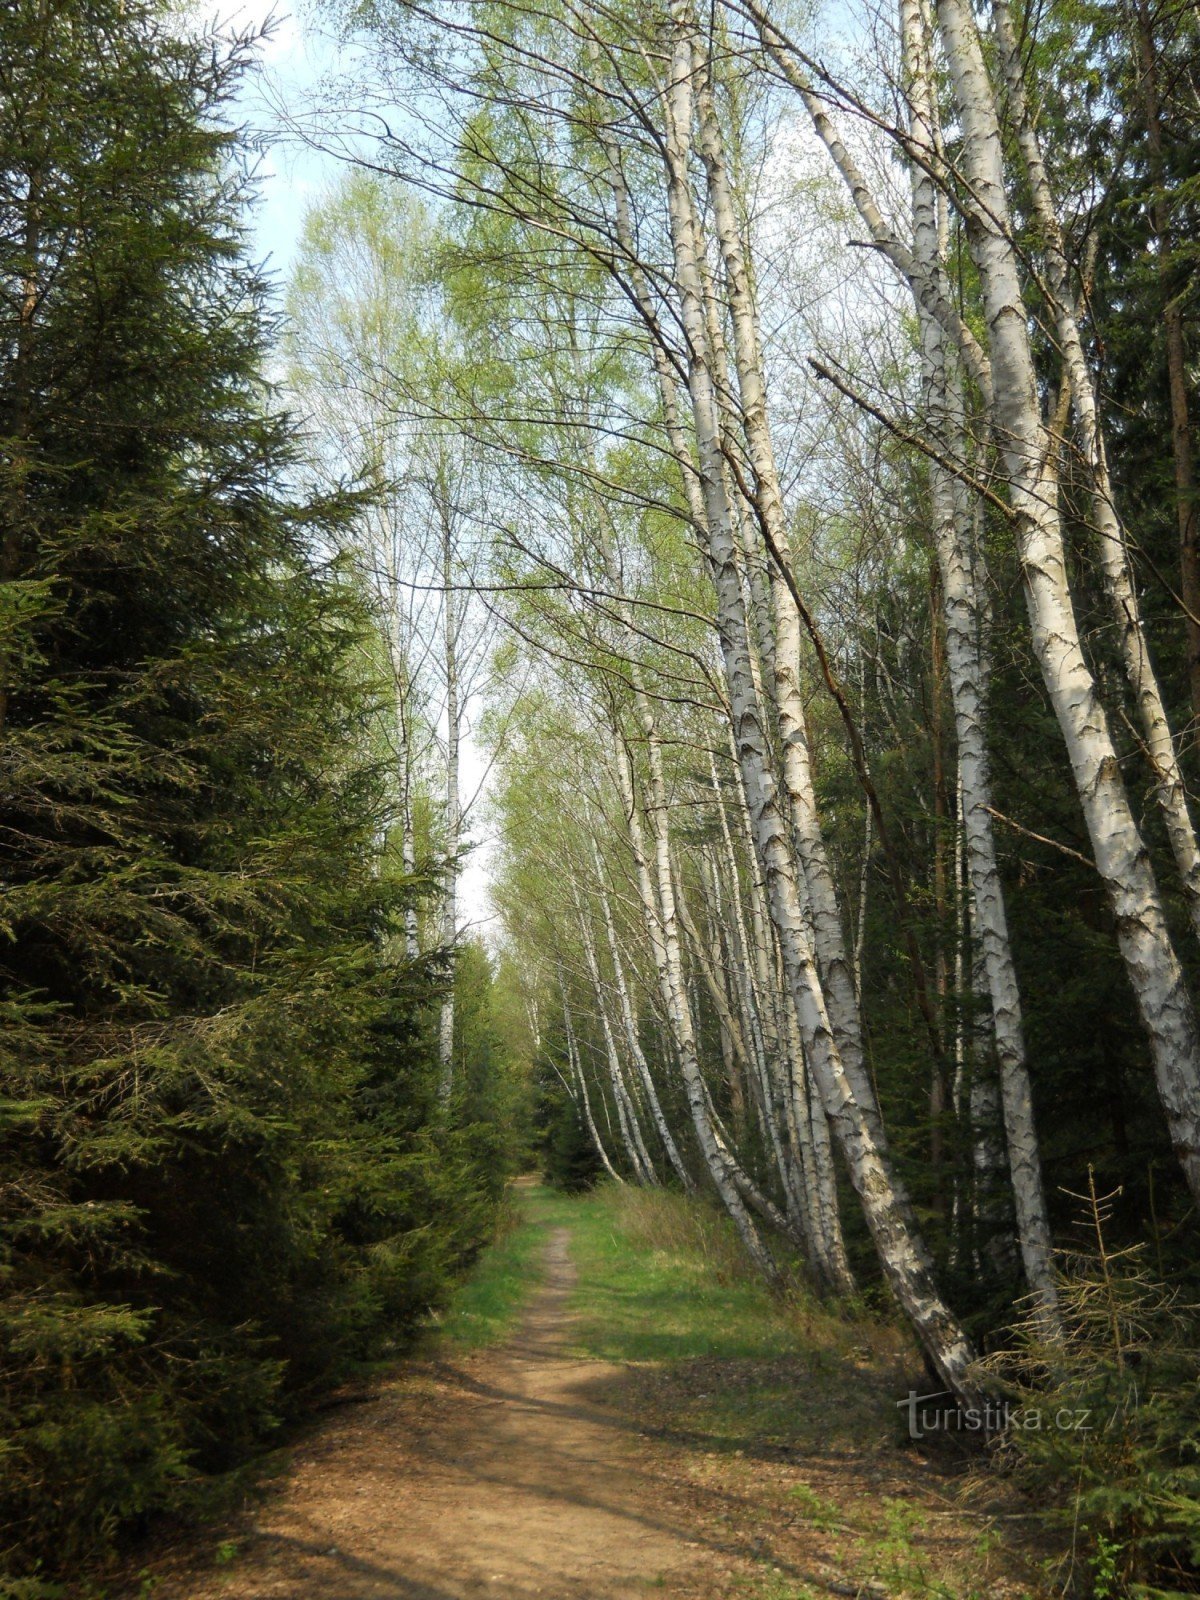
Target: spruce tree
{"type": "Point", "coordinates": [218, 1086]}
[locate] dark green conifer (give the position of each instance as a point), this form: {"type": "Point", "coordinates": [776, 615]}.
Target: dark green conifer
{"type": "Point", "coordinates": [221, 1175]}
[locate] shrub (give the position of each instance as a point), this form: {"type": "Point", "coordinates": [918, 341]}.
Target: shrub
{"type": "Point", "coordinates": [1105, 1422]}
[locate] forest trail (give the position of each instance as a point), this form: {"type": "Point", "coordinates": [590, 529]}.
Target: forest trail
{"type": "Point", "coordinates": [497, 1475]}
{"type": "Point", "coordinates": [531, 1469]}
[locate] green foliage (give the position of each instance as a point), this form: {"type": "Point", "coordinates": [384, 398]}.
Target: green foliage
{"type": "Point", "coordinates": [1106, 1423]}
{"type": "Point", "coordinates": [224, 1176]}
{"type": "Point", "coordinates": [491, 1050]}
{"type": "Point", "coordinates": [569, 1158]}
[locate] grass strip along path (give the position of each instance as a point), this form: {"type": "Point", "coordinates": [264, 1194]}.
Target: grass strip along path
{"type": "Point", "coordinates": [614, 1408]}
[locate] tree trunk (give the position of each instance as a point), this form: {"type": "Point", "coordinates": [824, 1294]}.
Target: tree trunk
{"type": "Point", "coordinates": [659, 909]}
{"type": "Point", "coordinates": [1111, 545]}
{"type": "Point", "coordinates": [627, 1119]}
{"type": "Point", "coordinates": [633, 1043]}
{"type": "Point", "coordinates": [901, 1251]}
{"type": "Point", "coordinates": [1121, 858]}
{"type": "Point", "coordinates": [958, 570]}
{"type": "Point", "coordinates": [453, 807]}
{"type": "Point", "coordinates": [577, 1069]}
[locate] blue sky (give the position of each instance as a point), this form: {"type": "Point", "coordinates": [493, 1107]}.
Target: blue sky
{"type": "Point", "coordinates": [292, 59]}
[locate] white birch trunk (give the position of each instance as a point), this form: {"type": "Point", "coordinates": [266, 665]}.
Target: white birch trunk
{"type": "Point", "coordinates": [767, 1092]}
{"type": "Point", "coordinates": [988, 1163]}
{"type": "Point", "coordinates": [627, 1119]}
{"type": "Point", "coordinates": [901, 1251]}
{"type": "Point", "coordinates": [1028, 453]}
{"type": "Point", "coordinates": [660, 907]}
{"type": "Point", "coordinates": [633, 1043]}
{"type": "Point", "coordinates": [968, 689]}
{"type": "Point", "coordinates": [828, 938]}
{"type": "Point", "coordinates": [933, 291]}
{"type": "Point", "coordinates": [1111, 543]}
{"type": "Point", "coordinates": [577, 1070]}
{"type": "Point", "coordinates": [811, 1125]}
{"type": "Point", "coordinates": [658, 902]}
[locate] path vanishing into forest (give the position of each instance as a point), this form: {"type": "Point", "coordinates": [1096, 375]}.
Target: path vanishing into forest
{"type": "Point", "coordinates": [500, 1477]}
{"type": "Point", "coordinates": [530, 1470]}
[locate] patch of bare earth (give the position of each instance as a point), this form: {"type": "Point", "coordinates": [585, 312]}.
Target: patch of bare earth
{"type": "Point", "coordinates": [530, 1472]}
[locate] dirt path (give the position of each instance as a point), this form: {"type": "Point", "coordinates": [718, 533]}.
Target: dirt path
{"type": "Point", "coordinates": [530, 1471]}
{"type": "Point", "coordinates": [499, 1476]}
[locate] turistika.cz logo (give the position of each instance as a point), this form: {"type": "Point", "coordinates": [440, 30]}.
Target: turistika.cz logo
{"type": "Point", "coordinates": [940, 1413]}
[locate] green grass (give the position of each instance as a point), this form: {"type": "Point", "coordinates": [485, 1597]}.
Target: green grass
{"type": "Point", "coordinates": [486, 1307]}
{"type": "Point", "coordinates": [663, 1287]}
{"type": "Point", "coordinates": [663, 1283]}
{"type": "Point", "coordinates": [661, 1279]}
{"type": "Point", "coordinates": [707, 1355]}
